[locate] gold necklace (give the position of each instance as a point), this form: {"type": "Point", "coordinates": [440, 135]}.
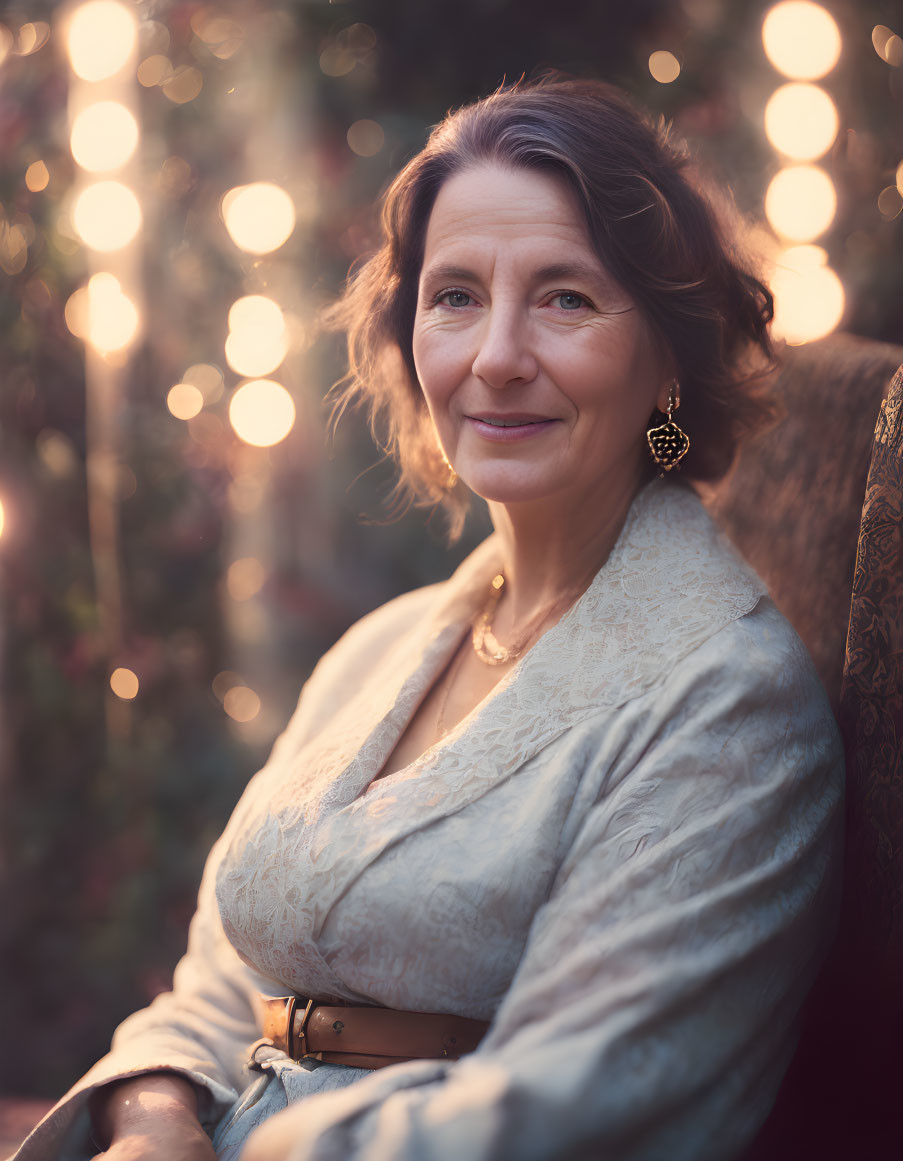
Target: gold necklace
{"type": "Point", "coordinates": [485, 644]}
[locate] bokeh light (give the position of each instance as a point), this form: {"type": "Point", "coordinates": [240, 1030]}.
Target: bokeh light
{"type": "Point", "coordinates": [245, 578]}
{"type": "Point", "coordinates": [259, 217]}
{"type": "Point", "coordinates": [365, 138]}
{"type": "Point", "coordinates": [664, 67]}
{"type": "Point", "coordinates": [900, 177]}
{"type": "Point", "coordinates": [101, 39]}
{"type": "Point", "coordinates": [154, 70]}
{"type": "Point", "coordinates": [32, 36]}
{"type": "Point", "coordinates": [888, 45]}
{"type": "Point", "coordinates": [256, 312]}
{"type": "Point", "coordinates": [262, 412]}
{"type": "Point", "coordinates": [809, 297]}
{"type": "Point", "coordinates": [801, 121]}
{"type": "Point", "coordinates": [800, 202]}
{"type": "Point", "coordinates": [223, 682]}
{"type": "Point", "coordinates": [890, 203]}
{"type": "Point", "coordinates": [104, 136]}
{"type": "Point", "coordinates": [183, 85]}
{"type": "Point", "coordinates": [37, 176]}
{"type": "Point", "coordinates": [184, 400]}
{"type": "Point", "coordinates": [124, 683]}
{"type": "Point", "coordinates": [57, 453]}
{"type": "Point", "coordinates": [241, 703]}
{"type": "Point", "coordinates": [801, 39]}
{"type": "Point", "coordinates": [106, 215]}
{"type": "Point", "coordinates": [257, 342]}
{"type": "Point", "coordinates": [2, 518]}
{"type": "Point", "coordinates": [112, 316]}
{"type": "Point", "coordinates": [208, 379]}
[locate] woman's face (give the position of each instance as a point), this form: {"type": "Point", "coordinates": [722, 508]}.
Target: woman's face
{"type": "Point", "coordinates": [539, 371]}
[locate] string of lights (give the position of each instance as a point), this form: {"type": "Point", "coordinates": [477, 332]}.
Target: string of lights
{"type": "Point", "coordinates": [802, 43]}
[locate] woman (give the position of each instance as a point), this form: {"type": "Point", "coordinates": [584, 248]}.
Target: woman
{"type": "Point", "coordinates": [586, 790]}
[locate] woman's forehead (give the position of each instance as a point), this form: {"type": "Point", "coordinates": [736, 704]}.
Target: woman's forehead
{"type": "Point", "coordinates": [489, 208]}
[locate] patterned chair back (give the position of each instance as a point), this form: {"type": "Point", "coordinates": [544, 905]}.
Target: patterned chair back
{"type": "Point", "coordinates": [816, 505]}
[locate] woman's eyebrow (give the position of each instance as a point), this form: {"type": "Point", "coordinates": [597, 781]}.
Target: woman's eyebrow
{"type": "Point", "coordinates": [448, 274]}
{"type": "Point", "coordinates": [563, 271]}
{"type": "Point", "coordinates": [551, 272]}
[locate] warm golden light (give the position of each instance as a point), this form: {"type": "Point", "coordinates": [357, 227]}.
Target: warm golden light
{"type": "Point", "coordinates": [208, 380]}
{"type": "Point", "coordinates": [104, 136]}
{"type": "Point", "coordinates": [262, 412]}
{"type": "Point", "coordinates": [257, 342]}
{"type": "Point", "coordinates": [184, 400]}
{"type": "Point", "coordinates": [881, 34]}
{"type": "Point", "coordinates": [32, 36]}
{"type": "Point", "coordinates": [223, 682]}
{"type": "Point", "coordinates": [888, 45]}
{"type": "Point", "coordinates": [76, 312]}
{"type": "Point", "coordinates": [801, 121]}
{"type": "Point", "coordinates": [57, 453]}
{"type": "Point", "coordinates": [112, 321]}
{"type": "Point", "coordinates": [106, 215]}
{"type": "Point", "coordinates": [101, 39]}
{"type": "Point", "coordinates": [124, 683]}
{"type": "Point", "coordinates": [244, 578]}
{"type": "Point", "coordinates": [154, 70]}
{"type": "Point", "coordinates": [664, 67]}
{"type": "Point", "coordinates": [800, 202]}
{"type": "Point", "coordinates": [366, 138]}
{"type": "Point", "coordinates": [241, 704]}
{"type": "Point", "coordinates": [254, 357]}
{"type": "Point", "coordinates": [183, 85]}
{"type": "Point", "coordinates": [6, 43]}
{"type": "Point", "coordinates": [37, 176]}
{"type": "Point", "coordinates": [900, 177]}
{"type": "Point", "coordinates": [13, 247]}
{"type": "Point", "coordinates": [259, 217]}
{"type": "Point", "coordinates": [801, 39]}
{"type": "Point", "coordinates": [2, 518]}
{"type": "Point", "coordinates": [890, 202]}
{"type": "Point", "coordinates": [808, 295]}
{"type": "Point", "coordinates": [256, 312]}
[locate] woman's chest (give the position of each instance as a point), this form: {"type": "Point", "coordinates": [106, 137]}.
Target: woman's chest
{"type": "Point", "coordinates": [385, 901]}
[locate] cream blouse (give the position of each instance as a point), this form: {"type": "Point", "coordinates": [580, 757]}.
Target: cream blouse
{"type": "Point", "coordinates": [626, 858]}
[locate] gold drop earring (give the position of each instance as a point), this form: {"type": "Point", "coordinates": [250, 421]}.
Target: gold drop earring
{"type": "Point", "coordinates": [668, 443]}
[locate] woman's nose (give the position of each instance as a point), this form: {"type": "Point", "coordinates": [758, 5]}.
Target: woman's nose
{"type": "Point", "coordinates": [504, 355]}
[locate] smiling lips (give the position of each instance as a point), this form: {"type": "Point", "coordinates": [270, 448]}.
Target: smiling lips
{"type": "Point", "coordinates": [505, 428]}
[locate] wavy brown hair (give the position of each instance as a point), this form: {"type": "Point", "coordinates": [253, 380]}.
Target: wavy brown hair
{"type": "Point", "coordinates": [657, 227]}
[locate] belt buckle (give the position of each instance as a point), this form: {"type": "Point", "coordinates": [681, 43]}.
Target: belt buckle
{"type": "Point", "coordinates": [297, 1031]}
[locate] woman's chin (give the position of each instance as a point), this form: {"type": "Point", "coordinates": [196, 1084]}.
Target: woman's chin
{"type": "Point", "coordinates": [511, 487]}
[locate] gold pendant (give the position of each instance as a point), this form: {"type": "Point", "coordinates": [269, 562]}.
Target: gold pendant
{"type": "Point", "coordinates": [668, 444]}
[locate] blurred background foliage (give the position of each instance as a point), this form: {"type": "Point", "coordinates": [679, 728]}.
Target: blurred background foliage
{"type": "Point", "coordinates": [107, 806]}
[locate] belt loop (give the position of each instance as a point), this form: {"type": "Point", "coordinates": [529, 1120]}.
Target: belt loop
{"type": "Point", "coordinates": [297, 1036]}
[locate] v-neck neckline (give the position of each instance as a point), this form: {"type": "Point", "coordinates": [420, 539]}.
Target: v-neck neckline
{"type": "Point", "coordinates": [431, 668]}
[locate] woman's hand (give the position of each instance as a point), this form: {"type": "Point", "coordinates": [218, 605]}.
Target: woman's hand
{"type": "Point", "coordinates": [153, 1117]}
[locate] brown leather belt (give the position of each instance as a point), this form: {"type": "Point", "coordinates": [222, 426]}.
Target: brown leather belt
{"type": "Point", "coordinates": [364, 1037]}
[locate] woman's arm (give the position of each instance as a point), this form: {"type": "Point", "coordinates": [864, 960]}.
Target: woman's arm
{"type": "Point", "coordinates": [201, 1030]}
{"type": "Point", "coordinates": [654, 1010]}
{"type": "Point", "coordinates": [150, 1118]}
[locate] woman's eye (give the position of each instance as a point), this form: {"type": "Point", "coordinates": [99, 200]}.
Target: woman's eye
{"type": "Point", "coordinates": [567, 300]}
{"type": "Point", "coordinates": [455, 298]}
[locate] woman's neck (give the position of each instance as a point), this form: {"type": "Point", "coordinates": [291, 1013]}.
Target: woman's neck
{"type": "Point", "coordinates": [551, 551]}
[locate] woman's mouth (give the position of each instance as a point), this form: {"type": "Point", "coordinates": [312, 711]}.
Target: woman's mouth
{"type": "Point", "coordinates": [505, 428]}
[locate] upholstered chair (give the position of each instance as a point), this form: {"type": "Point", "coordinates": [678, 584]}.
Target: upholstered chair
{"type": "Point", "coordinates": [816, 505]}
